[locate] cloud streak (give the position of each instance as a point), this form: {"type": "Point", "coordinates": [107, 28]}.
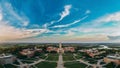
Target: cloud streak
{"type": "Point", "coordinates": [66, 12]}
{"type": "Point", "coordinates": [95, 27]}
{"type": "Point", "coordinates": [70, 24]}
{"type": "Point", "coordinates": [87, 12]}
{"type": "Point", "coordinates": [114, 17]}
{"type": "Point", "coordinates": [9, 32]}
{"type": "Point", "coordinates": [21, 20]}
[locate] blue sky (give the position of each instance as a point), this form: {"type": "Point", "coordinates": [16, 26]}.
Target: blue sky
{"type": "Point", "coordinates": [60, 20]}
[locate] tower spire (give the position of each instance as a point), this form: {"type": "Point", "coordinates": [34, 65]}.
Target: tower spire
{"type": "Point", "coordinates": [60, 45]}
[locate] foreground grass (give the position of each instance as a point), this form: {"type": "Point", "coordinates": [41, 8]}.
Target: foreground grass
{"type": "Point", "coordinates": [1, 66]}
{"type": "Point", "coordinates": [52, 57]}
{"type": "Point", "coordinates": [9, 66]}
{"type": "Point", "coordinates": [74, 65]}
{"type": "Point", "coordinates": [68, 57]}
{"type": "Point", "coordinates": [47, 65]}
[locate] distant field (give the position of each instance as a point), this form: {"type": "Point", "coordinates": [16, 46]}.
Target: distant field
{"type": "Point", "coordinates": [68, 57]}
{"type": "Point", "coordinates": [52, 57]}
{"type": "Point", "coordinates": [46, 65]}
{"type": "Point", "coordinates": [79, 55]}
{"type": "Point", "coordinates": [74, 65]}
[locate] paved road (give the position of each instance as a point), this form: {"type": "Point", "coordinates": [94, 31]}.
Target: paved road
{"type": "Point", "coordinates": [60, 63]}
{"type": "Point", "coordinates": [36, 62]}
{"type": "Point", "coordinates": [84, 62]}
{"type": "Point", "coordinates": [98, 63]}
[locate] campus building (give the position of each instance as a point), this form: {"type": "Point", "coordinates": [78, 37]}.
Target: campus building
{"type": "Point", "coordinates": [30, 52]}
{"type": "Point", "coordinates": [49, 49]}
{"type": "Point", "coordinates": [115, 59]}
{"type": "Point", "coordinates": [60, 49]}
{"type": "Point", "coordinates": [92, 52]}
{"type": "Point", "coordinates": [27, 52]}
{"type": "Point", "coordinates": [7, 59]}
{"type": "Point", "coordinates": [70, 49]}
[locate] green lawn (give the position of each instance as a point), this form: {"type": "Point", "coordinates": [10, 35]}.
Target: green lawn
{"type": "Point", "coordinates": [9, 66]}
{"type": "Point", "coordinates": [1, 66]}
{"type": "Point", "coordinates": [42, 56]}
{"type": "Point", "coordinates": [78, 56]}
{"type": "Point", "coordinates": [68, 57]}
{"type": "Point", "coordinates": [52, 57]}
{"type": "Point", "coordinates": [47, 65]}
{"type": "Point", "coordinates": [74, 65]}
{"type": "Point", "coordinates": [90, 60]}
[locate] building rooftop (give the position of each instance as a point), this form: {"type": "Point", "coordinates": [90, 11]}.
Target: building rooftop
{"type": "Point", "coordinates": [5, 56]}
{"type": "Point", "coordinates": [113, 57]}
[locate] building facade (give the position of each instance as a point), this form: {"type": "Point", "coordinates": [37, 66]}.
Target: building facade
{"type": "Point", "coordinates": [7, 59]}
{"type": "Point", "coordinates": [113, 59]}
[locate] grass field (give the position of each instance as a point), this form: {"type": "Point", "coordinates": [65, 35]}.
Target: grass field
{"type": "Point", "coordinates": [9, 66]}
{"type": "Point", "coordinates": [78, 56]}
{"type": "Point", "coordinates": [90, 60]}
{"type": "Point", "coordinates": [42, 56]}
{"type": "Point", "coordinates": [1, 66]}
{"type": "Point", "coordinates": [52, 57]}
{"type": "Point", "coordinates": [68, 57]}
{"type": "Point", "coordinates": [47, 65]}
{"type": "Point", "coordinates": [74, 65]}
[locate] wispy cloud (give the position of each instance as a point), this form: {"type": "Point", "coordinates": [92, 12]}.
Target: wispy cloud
{"type": "Point", "coordinates": [92, 30]}
{"type": "Point", "coordinates": [67, 25]}
{"type": "Point", "coordinates": [87, 12]}
{"type": "Point", "coordinates": [0, 16]}
{"type": "Point", "coordinates": [9, 32]}
{"type": "Point", "coordinates": [114, 37]}
{"type": "Point", "coordinates": [114, 17]}
{"type": "Point", "coordinates": [63, 14]}
{"type": "Point", "coordinates": [95, 27]}
{"type": "Point", "coordinates": [69, 33]}
{"type": "Point", "coordinates": [66, 12]}
{"type": "Point", "coordinates": [21, 20]}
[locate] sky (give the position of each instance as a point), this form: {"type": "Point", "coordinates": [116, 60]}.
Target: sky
{"type": "Point", "coordinates": [59, 20]}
